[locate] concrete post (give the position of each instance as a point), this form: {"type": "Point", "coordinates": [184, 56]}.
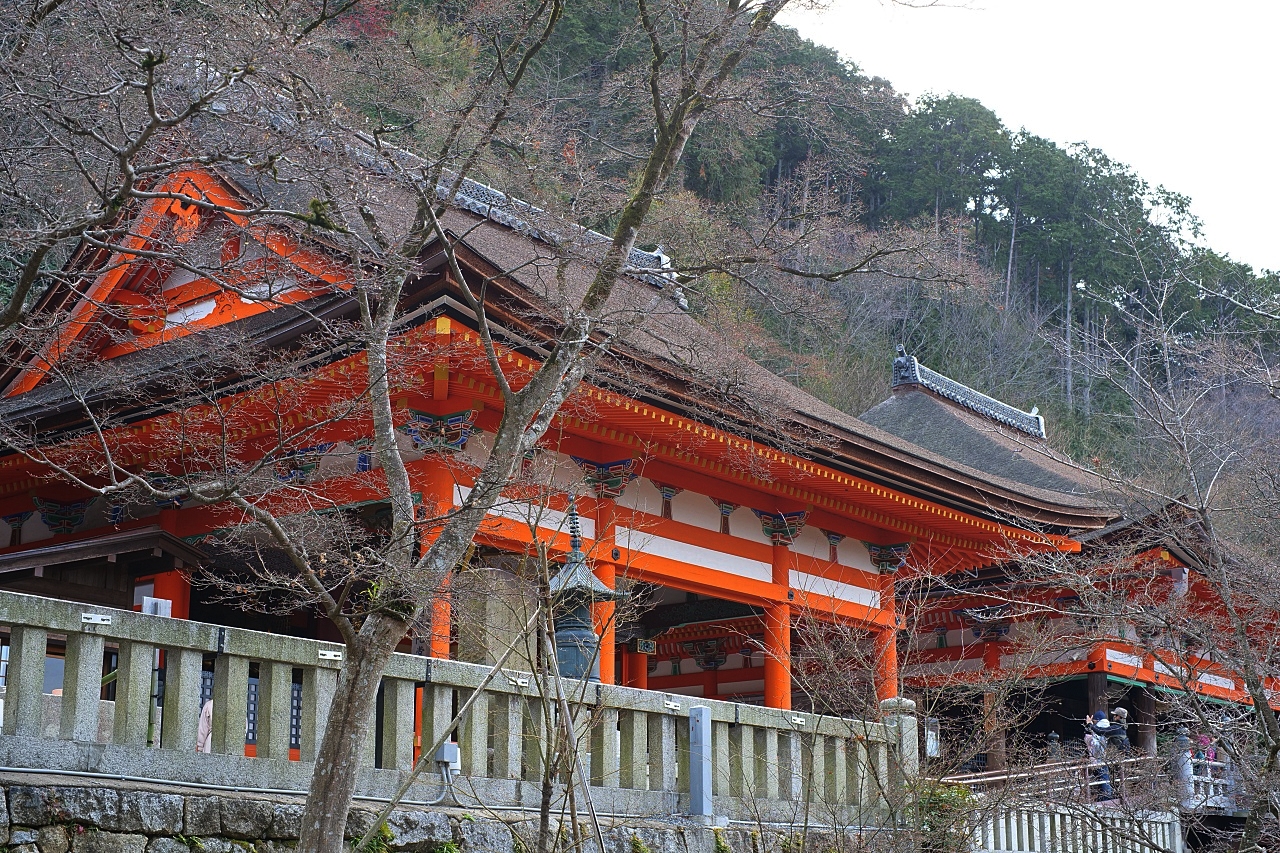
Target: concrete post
{"type": "Point", "coordinates": [1232, 782]}
{"type": "Point", "coordinates": [633, 728]}
{"type": "Point", "coordinates": [768, 779]}
{"type": "Point", "coordinates": [1054, 748]}
{"type": "Point", "coordinates": [81, 687]}
{"type": "Point", "coordinates": [720, 757]}
{"type": "Point", "coordinates": [790, 766]}
{"type": "Point", "coordinates": [24, 681]}
{"type": "Point", "coordinates": [604, 748]}
{"type": "Point", "coordinates": [536, 738]}
{"type": "Point", "coordinates": [700, 765]}
{"type": "Point", "coordinates": [318, 686]}
{"type": "Point", "coordinates": [133, 693]}
{"type": "Point", "coordinates": [397, 724]}
{"type": "Point", "coordinates": [230, 704]}
{"type": "Point", "coordinates": [662, 752]}
{"type": "Point", "coordinates": [275, 683]}
{"type": "Point", "coordinates": [505, 712]}
{"type": "Point", "coordinates": [742, 761]}
{"type": "Point", "coordinates": [900, 713]}
{"type": "Point", "coordinates": [181, 712]}
{"type": "Point", "coordinates": [473, 735]}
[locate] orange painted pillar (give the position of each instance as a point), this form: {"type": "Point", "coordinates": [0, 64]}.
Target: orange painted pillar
{"type": "Point", "coordinates": [603, 617]}
{"type": "Point", "coordinates": [607, 572]}
{"type": "Point", "coordinates": [886, 643]}
{"type": "Point", "coordinates": [886, 650]}
{"type": "Point", "coordinates": [991, 654]}
{"type": "Point", "coordinates": [777, 635]}
{"type": "Point", "coordinates": [174, 586]}
{"type": "Point", "coordinates": [711, 684]}
{"type": "Point", "coordinates": [777, 656]}
{"type": "Point", "coordinates": [437, 500]}
{"type": "Point", "coordinates": [636, 667]}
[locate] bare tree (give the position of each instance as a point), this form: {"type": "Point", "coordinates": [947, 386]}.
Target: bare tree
{"type": "Point", "coordinates": [1187, 580]}
{"type": "Point", "coordinates": [246, 131]}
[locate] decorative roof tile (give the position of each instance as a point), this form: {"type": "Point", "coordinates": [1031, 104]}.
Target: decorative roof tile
{"type": "Point", "coordinates": [908, 371]}
{"type": "Point", "coordinates": [523, 217]}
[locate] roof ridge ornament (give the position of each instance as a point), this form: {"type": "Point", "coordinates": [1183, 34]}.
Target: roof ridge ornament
{"type": "Point", "coordinates": [907, 370]}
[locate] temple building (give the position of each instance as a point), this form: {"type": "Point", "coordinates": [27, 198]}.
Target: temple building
{"type": "Point", "coordinates": [739, 504]}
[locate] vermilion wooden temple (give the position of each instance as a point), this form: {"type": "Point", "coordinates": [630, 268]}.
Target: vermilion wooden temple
{"type": "Point", "coordinates": [736, 517]}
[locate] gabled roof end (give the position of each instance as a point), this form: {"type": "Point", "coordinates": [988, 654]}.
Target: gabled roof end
{"type": "Point", "coordinates": [908, 371]}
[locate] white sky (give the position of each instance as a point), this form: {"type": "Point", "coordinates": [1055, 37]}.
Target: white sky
{"type": "Point", "coordinates": [1186, 93]}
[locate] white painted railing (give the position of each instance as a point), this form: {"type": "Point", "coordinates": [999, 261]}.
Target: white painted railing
{"type": "Point", "coordinates": [1076, 829]}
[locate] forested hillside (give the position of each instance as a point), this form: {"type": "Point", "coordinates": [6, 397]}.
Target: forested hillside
{"type": "Point", "coordinates": [1024, 252]}
{"type": "Point", "coordinates": [823, 218]}
{"type": "Point", "coordinates": [1041, 247]}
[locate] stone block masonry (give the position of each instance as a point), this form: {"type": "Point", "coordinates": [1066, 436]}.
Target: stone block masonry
{"type": "Point", "coordinates": [49, 814]}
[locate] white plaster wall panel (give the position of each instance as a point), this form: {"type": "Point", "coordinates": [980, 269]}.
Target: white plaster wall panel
{"type": "Point", "coordinates": [928, 639]}
{"type": "Point", "coordinates": [744, 524]}
{"type": "Point", "coordinates": [698, 510]}
{"type": "Point", "coordinates": [524, 512]}
{"type": "Point", "coordinates": [728, 687]}
{"type": "Point", "coordinates": [407, 450]}
{"type": "Point", "coordinates": [341, 459]}
{"type": "Point", "coordinates": [671, 549]}
{"type": "Point", "coordinates": [945, 667]}
{"type": "Point", "coordinates": [138, 510]}
{"type": "Point", "coordinates": [190, 313]}
{"type": "Point", "coordinates": [854, 554]}
{"type": "Point", "coordinates": [1029, 659]}
{"type": "Point", "coordinates": [1217, 681]}
{"type": "Point", "coordinates": [479, 444]}
{"type": "Point", "coordinates": [560, 472]}
{"type": "Point", "coordinates": [1124, 658]}
{"type": "Point", "coordinates": [176, 279]}
{"type": "Point", "coordinates": [835, 589]}
{"type": "Point", "coordinates": [812, 542]}
{"type": "Point", "coordinates": [94, 516]}
{"type": "Point", "coordinates": [33, 529]}
{"type": "Point", "coordinates": [643, 496]}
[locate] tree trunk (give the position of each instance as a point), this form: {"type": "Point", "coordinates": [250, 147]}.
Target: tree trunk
{"type": "Point", "coordinates": [1067, 335]}
{"type": "Point", "coordinates": [324, 820]}
{"type": "Point", "coordinates": [1013, 241]}
{"type": "Point", "coordinates": [937, 209]}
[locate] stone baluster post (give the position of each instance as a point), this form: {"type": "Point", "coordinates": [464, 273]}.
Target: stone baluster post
{"type": "Point", "coordinates": [742, 761]}
{"type": "Point", "coordinates": [133, 693]}
{"type": "Point", "coordinates": [81, 687]}
{"type": "Point", "coordinates": [1181, 770]}
{"type": "Point", "coordinates": [899, 714]}
{"type": "Point", "coordinates": [633, 730]}
{"type": "Point", "coordinates": [230, 703]}
{"type": "Point", "coordinates": [180, 718]}
{"type": "Point", "coordinates": [318, 686]}
{"type": "Point", "coordinates": [24, 681]}
{"type": "Point", "coordinates": [397, 724]}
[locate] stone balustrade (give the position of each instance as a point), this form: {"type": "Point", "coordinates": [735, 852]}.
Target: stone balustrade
{"type": "Point", "coordinates": [757, 763]}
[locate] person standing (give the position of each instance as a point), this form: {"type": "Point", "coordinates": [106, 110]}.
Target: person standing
{"type": "Point", "coordinates": [1096, 749]}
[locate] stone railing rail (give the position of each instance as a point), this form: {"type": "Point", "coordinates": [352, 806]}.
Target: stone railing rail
{"type": "Point", "coordinates": [743, 761]}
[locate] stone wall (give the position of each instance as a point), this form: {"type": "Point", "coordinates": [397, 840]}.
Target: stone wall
{"type": "Point", "coordinates": [48, 815]}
